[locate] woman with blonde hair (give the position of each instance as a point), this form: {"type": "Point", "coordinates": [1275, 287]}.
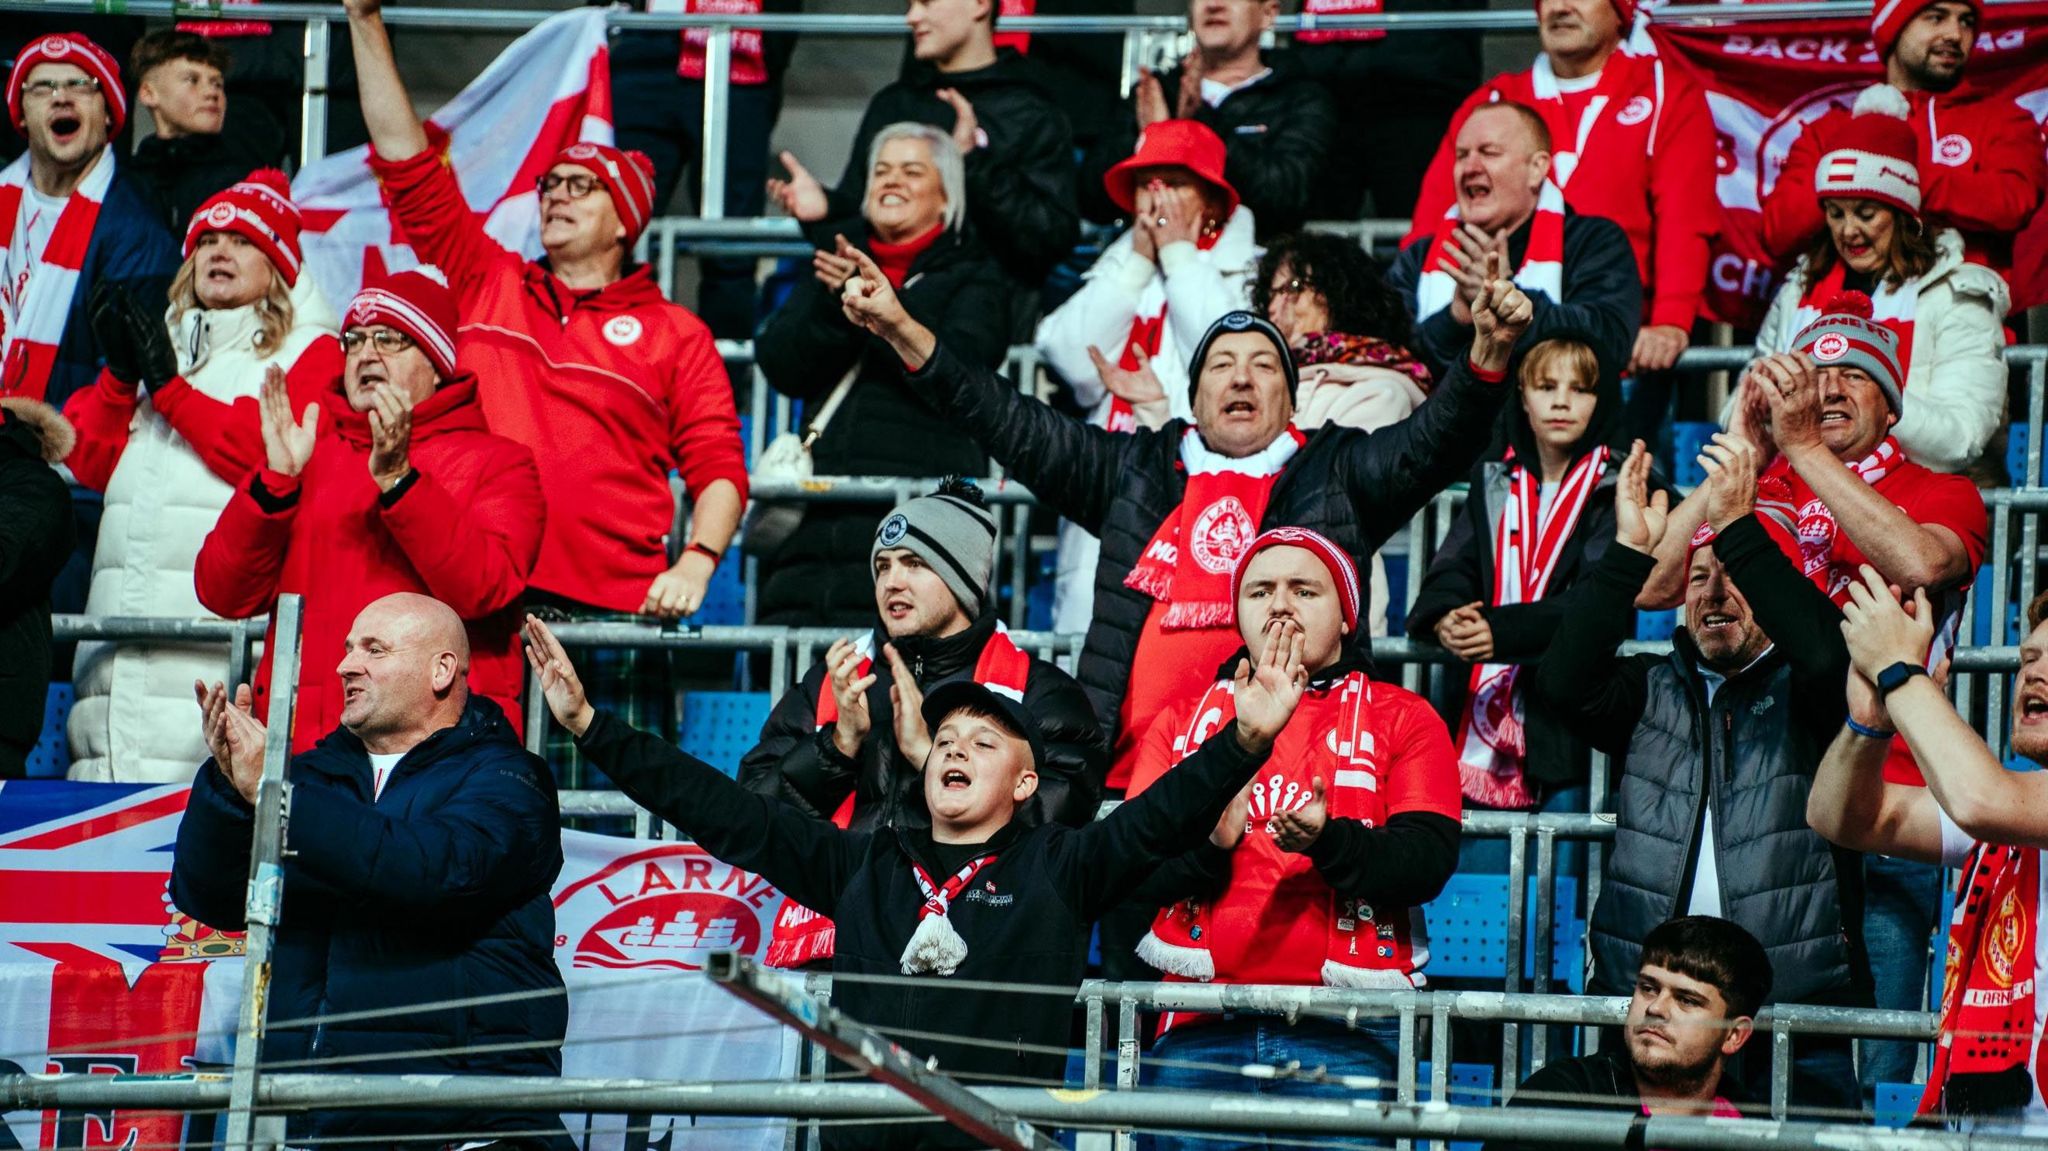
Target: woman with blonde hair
{"type": "Point", "coordinates": [167, 431]}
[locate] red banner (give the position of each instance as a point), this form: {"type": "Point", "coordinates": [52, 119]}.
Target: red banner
{"type": "Point", "coordinates": [1766, 80]}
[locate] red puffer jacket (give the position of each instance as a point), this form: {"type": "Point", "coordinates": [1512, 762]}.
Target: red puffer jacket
{"type": "Point", "coordinates": [611, 388]}
{"type": "Point", "coordinates": [465, 529]}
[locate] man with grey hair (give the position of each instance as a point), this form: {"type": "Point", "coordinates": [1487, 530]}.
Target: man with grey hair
{"type": "Point", "coordinates": [848, 743]}
{"type": "Point", "coordinates": [423, 841]}
{"type": "Point", "coordinates": [911, 223]}
{"type": "Point", "coordinates": [998, 108]}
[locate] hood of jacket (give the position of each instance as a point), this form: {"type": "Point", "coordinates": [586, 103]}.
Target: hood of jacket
{"type": "Point", "coordinates": [483, 722]}
{"type": "Point", "coordinates": [1606, 425]}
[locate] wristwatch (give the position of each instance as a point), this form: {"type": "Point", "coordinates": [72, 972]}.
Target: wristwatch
{"type": "Point", "coordinates": [1894, 677]}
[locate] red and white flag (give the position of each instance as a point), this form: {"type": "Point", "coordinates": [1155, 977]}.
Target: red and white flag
{"type": "Point", "coordinates": [549, 89]}
{"type": "Point", "coordinates": [1766, 80]}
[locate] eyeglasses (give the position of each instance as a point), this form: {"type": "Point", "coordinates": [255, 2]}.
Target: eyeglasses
{"type": "Point", "coordinates": [1293, 287]}
{"type": "Point", "coordinates": [389, 342]}
{"type": "Point", "coordinates": [579, 185]}
{"type": "Point", "coordinates": [74, 86]}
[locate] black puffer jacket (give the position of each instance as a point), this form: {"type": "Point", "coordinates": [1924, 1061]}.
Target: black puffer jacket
{"type": "Point", "coordinates": [1020, 185]}
{"type": "Point", "coordinates": [820, 578]}
{"type": "Point", "coordinates": [177, 175]}
{"type": "Point", "coordinates": [1356, 487]}
{"type": "Point", "coordinates": [433, 892]}
{"type": "Point", "coordinates": [1277, 135]}
{"type": "Point", "coordinates": [797, 763]}
{"type": "Point", "coordinates": [1025, 920]}
{"type": "Point", "coordinates": [1748, 756]}
{"type": "Point", "coordinates": [36, 530]}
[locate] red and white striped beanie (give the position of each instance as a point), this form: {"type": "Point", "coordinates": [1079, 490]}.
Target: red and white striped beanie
{"type": "Point", "coordinates": [417, 303]}
{"type": "Point", "coordinates": [628, 176]}
{"type": "Point", "coordinates": [68, 48]}
{"type": "Point", "coordinates": [1876, 156]}
{"type": "Point", "coordinates": [259, 209]}
{"type": "Point", "coordinates": [1888, 18]}
{"type": "Point", "coordinates": [1343, 571]}
{"type": "Point", "coordinates": [1846, 336]}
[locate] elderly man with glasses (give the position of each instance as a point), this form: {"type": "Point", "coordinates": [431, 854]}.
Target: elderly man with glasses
{"type": "Point", "coordinates": [390, 483]}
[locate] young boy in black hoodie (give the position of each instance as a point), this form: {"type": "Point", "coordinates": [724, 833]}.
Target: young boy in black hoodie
{"type": "Point", "coordinates": [974, 896]}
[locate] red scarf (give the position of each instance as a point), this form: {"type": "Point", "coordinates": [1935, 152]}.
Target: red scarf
{"type": "Point", "coordinates": [749, 64]}
{"type": "Point", "coordinates": [36, 304]}
{"type": "Point", "coordinates": [935, 947]}
{"type": "Point", "coordinates": [1527, 544]}
{"type": "Point", "coordinates": [1188, 563]}
{"type": "Point", "coordinates": [1542, 267]}
{"type": "Point", "coordinates": [1892, 307]}
{"type": "Point", "coordinates": [1021, 41]}
{"type": "Point", "coordinates": [895, 259]}
{"type": "Point", "coordinates": [1987, 997]}
{"type": "Point", "coordinates": [1182, 935]}
{"type": "Point", "coordinates": [1782, 497]}
{"type": "Point", "coordinates": [803, 936]}
{"type": "Point", "coordinates": [1313, 8]}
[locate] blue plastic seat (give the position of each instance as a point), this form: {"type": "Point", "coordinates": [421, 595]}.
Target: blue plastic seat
{"type": "Point", "coordinates": [1471, 1086]}
{"type": "Point", "coordinates": [1468, 931]}
{"type": "Point", "coordinates": [51, 756]}
{"type": "Point", "coordinates": [719, 727]}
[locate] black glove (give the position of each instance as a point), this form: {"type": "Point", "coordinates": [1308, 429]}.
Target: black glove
{"type": "Point", "coordinates": [108, 309]}
{"type": "Point", "coordinates": [151, 336]}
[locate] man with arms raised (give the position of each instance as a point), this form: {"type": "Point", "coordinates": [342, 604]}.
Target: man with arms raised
{"type": "Point", "coordinates": [1577, 270]}
{"type": "Point", "coordinates": [422, 843]}
{"type": "Point", "coordinates": [978, 894]}
{"type": "Point", "coordinates": [1697, 992]}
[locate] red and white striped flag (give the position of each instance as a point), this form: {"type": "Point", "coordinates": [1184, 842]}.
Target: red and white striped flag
{"type": "Point", "coordinates": [549, 89]}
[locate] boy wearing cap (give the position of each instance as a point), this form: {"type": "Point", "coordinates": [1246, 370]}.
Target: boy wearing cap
{"type": "Point", "coordinates": [1321, 868]}
{"type": "Point", "coordinates": [1721, 739]}
{"type": "Point", "coordinates": [576, 355]}
{"type": "Point", "coordinates": [977, 895]}
{"type": "Point", "coordinates": [846, 744]}
{"type": "Point", "coordinates": [1981, 165]}
{"type": "Point", "coordinates": [1632, 141]}
{"type": "Point", "coordinates": [390, 483]}
{"type": "Point", "coordinates": [68, 221]}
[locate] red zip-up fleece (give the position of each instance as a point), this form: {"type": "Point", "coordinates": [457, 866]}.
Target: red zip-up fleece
{"type": "Point", "coordinates": [1647, 164]}
{"type": "Point", "coordinates": [465, 528]}
{"type": "Point", "coordinates": [612, 389]}
{"type": "Point", "coordinates": [1981, 172]}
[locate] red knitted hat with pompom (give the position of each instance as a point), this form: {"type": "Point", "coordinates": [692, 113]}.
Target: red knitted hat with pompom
{"type": "Point", "coordinates": [1876, 157]}
{"type": "Point", "coordinates": [259, 208]}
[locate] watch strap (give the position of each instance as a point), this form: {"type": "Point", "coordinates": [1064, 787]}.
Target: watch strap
{"type": "Point", "coordinates": [1894, 677]}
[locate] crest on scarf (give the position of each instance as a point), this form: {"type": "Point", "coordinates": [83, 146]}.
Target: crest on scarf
{"type": "Point", "coordinates": [1274, 796]}
{"type": "Point", "coordinates": [1494, 716]}
{"type": "Point", "coordinates": [1816, 536]}
{"type": "Point", "coordinates": [1222, 532]}
{"type": "Point", "coordinates": [2002, 945]}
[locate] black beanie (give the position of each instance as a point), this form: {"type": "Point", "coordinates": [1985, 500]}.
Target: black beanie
{"type": "Point", "coordinates": [1242, 321]}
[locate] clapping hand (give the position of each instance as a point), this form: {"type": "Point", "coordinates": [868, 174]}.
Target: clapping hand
{"type": "Point", "coordinates": [833, 269]}
{"type": "Point", "coordinates": [1731, 466]}
{"type": "Point", "coordinates": [801, 195]}
{"type": "Point", "coordinates": [849, 690]}
{"type": "Point", "coordinates": [1269, 689]}
{"type": "Point", "coordinates": [1792, 391]}
{"type": "Point", "coordinates": [868, 299]}
{"type": "Point", "coordinates": [1298, 830]}
{"type": "Point", "coordinates": [1640, 516]}
{"type": "Point", "coordinates": [1500, 314]}
{"type": "Point", "coordinates": [966, 128]}
{"type": "Point", "coordinates": [390, 436]}
{"type": "Point", "coordinates": [233, 736]}
{"type": "Point", "coordinates": [1465, 632]}
{"type": "Point", "coordinates": [1879, 630]}
{"type": "Point", "coordinates": [1470, 251]}
{"type": "Point", "coordinates": [1150, 99]}
{"type": "Point", "coordinates": [558, 682]}
{"type": "Point", "coordinates": [906, 703]}
{"type": "Point", "coordinates": [287, 445]}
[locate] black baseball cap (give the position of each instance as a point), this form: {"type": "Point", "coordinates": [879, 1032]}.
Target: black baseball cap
{"type": "Point", "coordinates": [1006, 710]}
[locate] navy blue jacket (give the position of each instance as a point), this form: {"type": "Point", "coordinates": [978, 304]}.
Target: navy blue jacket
{"type": "Point", "coordinates": [436, 891]}
{"type": "Point", "coordinates": [129, 247]}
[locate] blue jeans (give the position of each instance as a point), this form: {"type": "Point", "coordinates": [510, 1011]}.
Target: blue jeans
{"type": "Point", "coordinates": [1901, 901]}
{"type": "Point", "coordinates": [1220, 1047]}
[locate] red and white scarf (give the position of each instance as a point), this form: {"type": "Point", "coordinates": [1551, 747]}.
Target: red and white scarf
{"type": "Point", "coordinates": [1527, 544]}
{"type": "Point", "coordinates": [36, 300]}
{"type": "Point", "coordinates": [1542, 267]}
{"type": "Point", "coordinates": [1389, 954]}
{"type": "Point", "coordinates": [935, 946]}
{"type": "Point", "coordinates": [1139, 346]}
{"type": "Point", "coordinates": [1785, 499]}
{"type": "Point", "coordinates": [1987, 997]}
{"type": "Point", "coordinates": [1892, 307]}
{"type": "Point", "coordinates": [1188, 563]}
{"type": "Point", "coordinates": [802, 936]}
{"type": "Point", "coordinates": [1614, 80]}
{"type": "Point", "coordinates": [749, 65]}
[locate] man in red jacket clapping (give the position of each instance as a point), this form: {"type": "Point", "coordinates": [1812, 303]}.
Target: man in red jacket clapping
{"type": "Point", "coordinates": [389, 484]}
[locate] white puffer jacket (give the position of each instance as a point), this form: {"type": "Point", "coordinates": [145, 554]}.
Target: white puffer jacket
{"type": "Point", "coordinates": [1956, 375]}
{"type": "Point", "coordinates": [1195, 288]}
{"type": "Point", "coordinates": [135, 720]}
{"type": "Point", "coordinates": [1358, 396]}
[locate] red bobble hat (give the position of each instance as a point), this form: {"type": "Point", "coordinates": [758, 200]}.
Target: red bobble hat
{"type": "Point", "coordinates": [417, 303]}
{"type": "Point", "coordinates": [1846, 335]}
{"type": "Point", "coordinates": [1343, 571]}
{"type": "Point", "coordinates": [628, 176]}
{"type": "Point", "coordinates": [68, 48]}
{"type": "Point", "coordinates": [1170, 143]}
{"type": "Point", "coordinates": [259, 209]}
{"type": "Point", "coordinates": [1876, 156]}
{"type": "Point", "coordinates": [1890, 17]}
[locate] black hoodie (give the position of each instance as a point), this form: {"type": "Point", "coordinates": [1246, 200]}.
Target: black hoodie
{"type": "Point", "coordinates": [1020, 184]}
{"type": "Point", "coordinates": [797, 763]}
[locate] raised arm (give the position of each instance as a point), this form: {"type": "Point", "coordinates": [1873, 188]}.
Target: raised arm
{"type": "Point", "coordinates": [1853, 805]}
{"type": "Point", "coordinates": [395, 130]}
{"type": "Point", "coordinates": [238, 566]}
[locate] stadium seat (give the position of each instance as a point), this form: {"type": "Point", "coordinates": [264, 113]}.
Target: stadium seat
{"type": "Point", "coordinates": [51, 757]}
{"type": "Point", "coordinates": [1471, 1086]}
{"type": "Point", "coordinates": [1897, 1103]}
{"type": "Point", "coordinates": [2016, 458]}
{"type": "Point", "coordinates": [1687, 438]}
{"type": "Point", "coordinates": [1468, 931]}
{"type": "Point", "coordinates": [1656, 625]}
{"type": "Point", "coordinates": [719, 727]}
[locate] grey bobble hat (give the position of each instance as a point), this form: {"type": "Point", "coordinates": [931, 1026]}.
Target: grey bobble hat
{"type": "Point", "coordinates": [953, 532]}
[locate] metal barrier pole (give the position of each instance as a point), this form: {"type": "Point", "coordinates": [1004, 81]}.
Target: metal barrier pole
{"type": "Point", "coordinates": [1440, 1059]}
{"type": "Point", "coordinates": [1518, 894]}
{"type": "Point", "coordinates": [1546, 932]}
{"type": "Point", "coordinates": [717, 99]}
{"type": "Point", "coordinates": [1404, 1065]}
{"type": "Point", "coordinates": [1126, 1057]}
{"type": "Point", "coordinates": [1781, 1069]}
{"type": "Point", "coordinates": [238, 655]}
{"type": "Point", "coordinates": [2037, 402]}
{"type": "Point", "coordinates": [265, 895]}
{"type": "Point", "coordinates": [313, 92]}
{"type": "Point", "coordinates": [2001, 593]}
